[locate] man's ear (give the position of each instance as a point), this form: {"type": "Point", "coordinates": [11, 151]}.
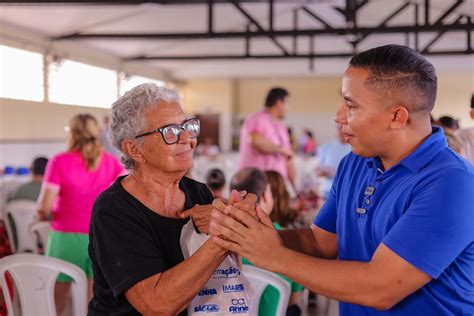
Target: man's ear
{"type": "Point", "coordinates": [400, 116]}
{"type": "Point", "coordinates": [133, 150]}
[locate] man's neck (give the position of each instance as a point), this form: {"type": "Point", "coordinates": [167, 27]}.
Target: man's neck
{"type": "Point", "coordinates": [273, 113]}
{"type": "Point", "coordinates": [403, 146]}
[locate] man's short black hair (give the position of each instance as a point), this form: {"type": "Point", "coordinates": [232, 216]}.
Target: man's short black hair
{"type": "Point", "coordinates": [398, 71]}
{"type": "Point", "coordinates": [472, 101]}
{"type": "Point", "coordinates": [251, 180]}
{"type": "Point", "coordinates": [274, 95]}
{"type": "Point", "coordinates": [39, 165]}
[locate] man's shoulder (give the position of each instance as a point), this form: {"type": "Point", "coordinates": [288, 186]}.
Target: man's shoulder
{"type": "Point", "coordinates": [257, 116]}
{"type": "Point", "coordinates": [449, 161]}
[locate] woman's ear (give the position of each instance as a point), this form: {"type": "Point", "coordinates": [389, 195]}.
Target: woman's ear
{"type": "Point", "coordinates": [133, 150]}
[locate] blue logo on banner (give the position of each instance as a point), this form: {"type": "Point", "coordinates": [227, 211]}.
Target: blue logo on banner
{"type": "Point", "coordinates": [207, 308]}
{"type": "Point", "coordinates": [207, 292]}
{"type": "Point", "coordinates": [229, 288]}
{"type": "Point", "coordinates": [231, 272]}
{"type": "Point", "coordinates": [238, 306]}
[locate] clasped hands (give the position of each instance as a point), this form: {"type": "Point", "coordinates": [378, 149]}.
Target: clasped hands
{"type": "Point", "coordinates": [239, 225]}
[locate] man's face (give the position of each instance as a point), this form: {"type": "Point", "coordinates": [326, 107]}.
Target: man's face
{"type": "Point", "coordinates": [364, 119]}
{"type": "Point", "coordinates": [283, 107]}
{"type": "Point", "coordinates": [340, 134]}
{"type": "Point", "coordinates": [472, 114]}
{"type": "Point", "coordinates": [168, 158]}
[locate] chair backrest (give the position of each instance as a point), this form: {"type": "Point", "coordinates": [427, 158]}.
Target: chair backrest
{"type": "Point", "coordinates": [260, 279]}
{"type": "Point", "coordinates": [34, 277]}
{"type": "Point", "coordinates": [39, 234]}
{"type": "Point", "coordinates": [23, 214]}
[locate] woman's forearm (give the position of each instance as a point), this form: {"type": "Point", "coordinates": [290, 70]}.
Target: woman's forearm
{"type": "Point", "coordinates": [176, 287]}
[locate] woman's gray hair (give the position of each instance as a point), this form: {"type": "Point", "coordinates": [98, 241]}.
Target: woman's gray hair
{"type": "Point", "coordinates": [128, 119]}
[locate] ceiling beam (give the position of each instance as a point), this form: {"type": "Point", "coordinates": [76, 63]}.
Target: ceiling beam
{"type": "Point", "coordinates": [276, 56]}
{"type": "Point", "coordinates": [437, 37]}
{"type": "Point", "coordinates": [276, 33]}
{"type": "Point", "coordinates": [259, 27]}
{"type": "Point", "coordinates": [449, 11]}
{"type": "Point", "coordinates": [317, 17]}
{"type": "Point", "coordinates": [131, 2]}
{"type": "Point", "coordinates": [388, 18]}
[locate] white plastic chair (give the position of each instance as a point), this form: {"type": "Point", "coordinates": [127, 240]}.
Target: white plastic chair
{"type": "Point", "coordinates": [23, 213]}
{"type": "Point", "coordinates": [34, 277]}
{"type": "Point", "coordinates": [260, 279]}
{"type": "Point", "coordinates": [39, 234]}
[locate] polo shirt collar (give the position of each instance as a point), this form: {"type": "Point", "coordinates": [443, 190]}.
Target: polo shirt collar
{"type": "Point", "coordinates": [422, 155]}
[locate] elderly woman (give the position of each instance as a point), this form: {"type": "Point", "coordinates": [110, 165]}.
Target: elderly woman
{"type": "Point", "coordinates": [136, 224]}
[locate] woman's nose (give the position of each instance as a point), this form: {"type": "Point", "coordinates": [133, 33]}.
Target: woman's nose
{"type": "Point", "coordinates": [184, 137]}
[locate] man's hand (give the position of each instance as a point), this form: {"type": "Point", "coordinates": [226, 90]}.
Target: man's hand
{"type": "Point", "coordinates": [254, 238]}
{"type": "Point", "coordinates": [287, 152]}
{"type": "Point", "coordinates": [201, 214]}
{"type": "Point", "coordinates": [242, 200]}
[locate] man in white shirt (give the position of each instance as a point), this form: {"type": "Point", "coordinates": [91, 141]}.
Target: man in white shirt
{"type": "Point", "coordinates": [467, 137]}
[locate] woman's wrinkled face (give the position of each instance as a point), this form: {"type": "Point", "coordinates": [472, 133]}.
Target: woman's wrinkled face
{"type": "Point", "coordinates": [167, 158]}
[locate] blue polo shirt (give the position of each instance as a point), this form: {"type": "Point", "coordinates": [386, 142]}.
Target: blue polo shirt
{"type": "Point", "coordinates": [423, 210]}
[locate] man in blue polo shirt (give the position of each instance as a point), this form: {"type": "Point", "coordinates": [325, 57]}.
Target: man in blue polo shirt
{"type": "Point", "coordinates": [400, 214]}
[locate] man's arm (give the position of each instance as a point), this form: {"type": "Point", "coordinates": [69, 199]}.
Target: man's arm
{"type": "Point", "coordinates": [264, 145]}
{"type": "Point", "coordinates": [379, 283]}
{"type": "Point", "coordinates": [169, 293]}
{"type": "Point", "coordinates": [291, 171]}
{"type": "Point", "coordinates": [315, 242]}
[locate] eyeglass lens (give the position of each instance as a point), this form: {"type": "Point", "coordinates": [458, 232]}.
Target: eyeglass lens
{"type": "Point", "coordinates": [171, 133]}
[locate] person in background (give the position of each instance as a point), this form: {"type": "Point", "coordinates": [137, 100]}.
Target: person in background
{"type": "Point", "coordinates": [466, 136]}
{"type": "Point", "coordinates": [310, 145]}
{"type": "Point", "coordinates": [283, 213]}
{"type": "Point", "coordinates": [208, 149]}
{"type": "Point", "coordinates": [31, 189]}
{"type": "Point", "coordinates": [72, 181]}
{"type": "Point", "coordinates": [215, 181]}
{"type": "Point", "coordinates": [104, 139]}
{"type": "Point", "coordinates": [455, 143]}
{"type": "Point", "coordinates": [252, 180]}
{"type": "Point", "coordinates": [264, 140]}
{"type": "Point", "coordinates": [330, 155]}
{"type": "Point", "coordinates": [449, 124]}
{"type": "Point", "coordinates": [450, 127]}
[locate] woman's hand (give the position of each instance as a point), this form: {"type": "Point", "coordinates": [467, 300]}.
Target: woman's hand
{"type": "Point", "coordinates": [201, 214]}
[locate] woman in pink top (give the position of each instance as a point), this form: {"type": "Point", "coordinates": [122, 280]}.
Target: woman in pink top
{"type": "Point", "coordinates": [72, 182]}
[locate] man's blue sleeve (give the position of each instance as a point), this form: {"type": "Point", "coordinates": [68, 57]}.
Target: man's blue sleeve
{"type": "Point", "coordinates": [438, 224]}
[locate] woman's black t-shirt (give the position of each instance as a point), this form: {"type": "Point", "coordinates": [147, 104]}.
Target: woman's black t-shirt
{"type": "Point", "coordinates": [128, 243]}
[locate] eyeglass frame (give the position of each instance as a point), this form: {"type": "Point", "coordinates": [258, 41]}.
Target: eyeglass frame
{"type": "Point", "coordinates": [180, 128]}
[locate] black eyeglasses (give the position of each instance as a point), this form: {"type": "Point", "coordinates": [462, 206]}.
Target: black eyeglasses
{"type": "Point", "coordinates": [172, 132]}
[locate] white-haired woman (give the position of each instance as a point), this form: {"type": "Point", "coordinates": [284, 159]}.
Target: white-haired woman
{"type": "Point", "coordinates": [135, 228]}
